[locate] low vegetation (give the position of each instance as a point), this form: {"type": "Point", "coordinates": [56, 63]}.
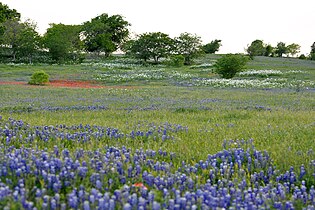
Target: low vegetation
{"type": "Point", "coordinates": [229, 65]}
{"type": "Point", "coordinates": [39, 78]}
{"type": "Point", "coordinates": [148, 129]}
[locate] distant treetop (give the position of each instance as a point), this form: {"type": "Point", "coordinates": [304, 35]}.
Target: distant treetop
{"type": "Point", "coordinates": [8, 14]}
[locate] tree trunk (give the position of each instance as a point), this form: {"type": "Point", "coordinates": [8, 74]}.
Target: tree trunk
{"type": "Point", "coordinates": [30, 59]}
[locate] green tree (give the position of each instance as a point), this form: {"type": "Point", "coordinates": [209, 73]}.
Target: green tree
{"type": "Point", "coordinates": [281, 49]}
{"type": "Point", "coordinates": [212, 47]}
{"type": "Point", "coordinates": [189, 46]}
{"type": "Point", "coordinates": [153, 45]}
{"type": "Point", "coordinates": [312, 53]}
{"type": "Point", "coordinates": [302, 57]}
{"type": "Point", "coordinates": [293, 49]}
{"type": "Point", "coordinates": [12, 36]}
{"type": "Point", "coordinates": [228, 65]}
{"type": "Point", "coordinates": [269, 50]}
{"type": "Point", "coordinates": [256, 48]}
{"type": "Point", "coordinates": [135, 49]}
{"type": "Point", "coordinates": [7, 14]}
{"type": "Point", "coordinates": [176, 60]}
{"type": "Point", "coordinates": [29, 40]}
{"type": "Point", "coordinates": [20, 39]}
{"type": "Point", "coordinates": [63, 41]}
{"type": "Point", "coordinates": [105, 33]}
{"type": "Point", "coordinates": [313, 48]}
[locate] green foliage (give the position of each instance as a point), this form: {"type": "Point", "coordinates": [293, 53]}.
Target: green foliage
{"type": "Point", "coordinates": [7, 14]}
{"type": "Point", "coordinates": [293, 49]}
{"type": "Point", "coordinates": [212, 47]}
{"type": "Point", "coordinates": [176, 60]}
{"type": "Point", "coordinates": [105, 33]}
{"type": "Point", "coordinates": [189, 46]}
{"type": "Point", "coordinates": [269, 50]}
{"type": "Point", "coordinates": [281, 49]}
{"type": "Point", "coordinates": [312, 54]}
{"type": "Point", "coordinates": [230, 64]}
{"type": "Point", "coordinates": [256, 48]}
{"type": "Point", "coordinates": [39, 78]}
{"type": "Point", "coordinates": [63, 42]}
{"type": "Point", "coordinates": [11, 36]}
{"type": "Point", "coordinates": [302, 57]}
{"type": "Point", "coordinates": [154, 45]}
{"type": "Point", "coordinates": [29, 41]}
{"type": "Point", "coordinates": [313, 48]}
{"type": "Point", "coordinates": [20, 39]}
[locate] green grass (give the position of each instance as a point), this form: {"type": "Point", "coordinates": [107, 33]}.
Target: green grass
{"type": "Point", "coordinates": [280, 121]}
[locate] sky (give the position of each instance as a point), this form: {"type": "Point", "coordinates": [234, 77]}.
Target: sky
{"type": "Point", "coordinates": [236, 22]}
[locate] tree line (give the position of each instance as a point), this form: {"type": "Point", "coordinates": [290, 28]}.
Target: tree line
{"type": "Point", "coordinates": [103, 35]}
{"type": "Point", "coordinates": [259, 48]}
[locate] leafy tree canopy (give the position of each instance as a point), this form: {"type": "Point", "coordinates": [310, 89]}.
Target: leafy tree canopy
{"type": "Point", "coordinates": [228, 65]}
{"type": "Point", "coordinates": [312, 54]}
{"type": "Point", "coordinates": [281, 49]}
{"type": "Point", "coordinates": [153, 45]}
{"type": "Point", "coordinates": [29, 41]}
{"type": "Point", "coordinates": [256, 48]}
{"type": "Point", "coordinates": [293, 49]}
{"type": "Point", "coordinates": [11, 36]}
{"type": "Point", "coordinates": [105, 33]}
{"type": "Point", "coordinates": [212, 47]}
{"type": "Point", "coordinates": [8, 14]}
{"type": "Point", "coordinates": [269, 50]}
{"type": "Point", "coordinates": [189, 46]}
{"type": "Point", "coordinates": [313, 48]}
{"type": "Point", "coordinates": [21, 38]}
{"type": "Point", "coordinates": [63, 41]}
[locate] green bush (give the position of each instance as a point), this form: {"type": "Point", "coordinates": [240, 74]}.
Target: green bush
{"type": "Point", "coordinates": [302, 57]}
{"type": "Point", "coordinates": [176, 60]}
{"type": "Point", "coordinates": [39, 78]}
{"type": "Point", "coordinates": [230, 64]}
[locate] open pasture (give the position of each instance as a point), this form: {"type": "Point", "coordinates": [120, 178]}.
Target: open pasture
{"type": "Point", "coordinates": [156, 137]}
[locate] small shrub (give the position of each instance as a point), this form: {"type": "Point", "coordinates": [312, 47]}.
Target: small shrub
{"type": "Point", "coordinates": [39, 78]}
{"type": "Point", "coordinates": [230, 64]}
{"type": "Point", "coordinates": [302, 57]}
{"type": "Point", "coordinates": [177, 60]}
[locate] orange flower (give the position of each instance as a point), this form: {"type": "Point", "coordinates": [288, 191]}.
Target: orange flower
{"type": "Point", "coordinates": [140, 185]}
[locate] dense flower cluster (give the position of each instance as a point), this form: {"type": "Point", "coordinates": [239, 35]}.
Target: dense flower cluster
{"type": "Point", "coordinates": [241, 83]}
{"type": "Point", "coordinates": [238, 177]}
{"type": "Point", "coordinates": [137, 74]}
{"type": "Point", "coordinates": [264, 73]}
{"type": "Point", "coordinates": [254, 83]}
{"type": "Point", "coordinates": [13, 130]}
{"type": "Point", "coordinates": [182, 78]}
{"type": "Point", "coordinates": [202, 66]}
{"type": "Point", "coordinates": [112, 65]}
{"type": "Point", "coordinates": [267, 73]}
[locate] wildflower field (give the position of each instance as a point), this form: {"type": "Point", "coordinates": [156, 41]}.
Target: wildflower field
{"type": "Point", "coordinates": [117, 134]}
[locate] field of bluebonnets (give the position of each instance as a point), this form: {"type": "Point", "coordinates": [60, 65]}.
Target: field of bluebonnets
{"type": "Point", "coordinates": [159, 137]}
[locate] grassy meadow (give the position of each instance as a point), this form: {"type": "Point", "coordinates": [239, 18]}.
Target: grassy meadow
{"type": "Point", "coordinates": [187, 113]}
